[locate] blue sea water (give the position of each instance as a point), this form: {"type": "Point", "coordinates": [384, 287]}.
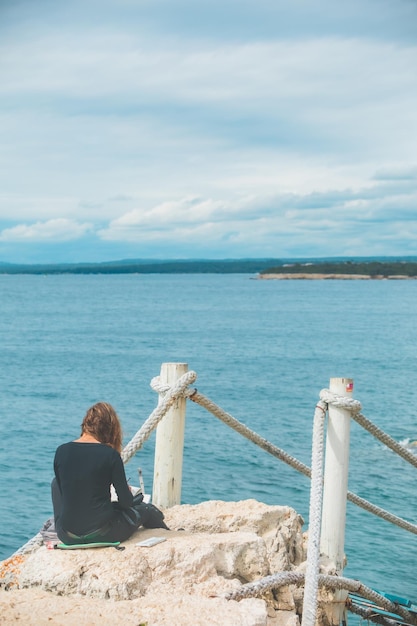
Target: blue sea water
{"type": "Point", "coordinates": [262, 350]}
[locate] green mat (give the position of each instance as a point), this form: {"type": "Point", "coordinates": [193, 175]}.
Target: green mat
{"type": "Point", "coordinates": [83, 546]}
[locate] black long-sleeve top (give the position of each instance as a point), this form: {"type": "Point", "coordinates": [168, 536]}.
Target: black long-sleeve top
{"type": "Point", "coordinates": [84, 473]}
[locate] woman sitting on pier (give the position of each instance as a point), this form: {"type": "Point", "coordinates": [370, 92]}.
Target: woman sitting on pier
{"type": "Point", "coordinates": [84, 471]}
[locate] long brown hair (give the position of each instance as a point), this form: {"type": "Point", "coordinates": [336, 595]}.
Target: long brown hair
{"type": "Point", "coordinates": [102, 422]}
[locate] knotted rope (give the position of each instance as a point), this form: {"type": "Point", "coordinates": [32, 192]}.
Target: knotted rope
{"type": "Point", "coordinates": [316, 501]}
{"type": "Point", "coordinates": [355, 407]}
{"type": "Point", "coordinates": [275, 581]}
{"type": "Point", "coordinates": [171, 395]}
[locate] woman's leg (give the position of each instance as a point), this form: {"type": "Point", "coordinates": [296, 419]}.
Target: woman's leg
{"type": "Point", "coordinates": [151, 516]}
{"type": "Point", "coordinates": [126, 522]}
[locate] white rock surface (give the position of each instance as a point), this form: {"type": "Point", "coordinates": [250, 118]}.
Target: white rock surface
{"type": "Point", "coordinates": [211, 549]}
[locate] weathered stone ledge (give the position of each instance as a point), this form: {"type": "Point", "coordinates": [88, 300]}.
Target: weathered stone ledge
{"type": "Point", "coordinates": [212, 548]}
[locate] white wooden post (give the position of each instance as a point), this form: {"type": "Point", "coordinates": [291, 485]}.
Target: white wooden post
{"type": "Point", "coordinates": [169, 444]}
{"type": "Point", "coordinates": [336, 468]}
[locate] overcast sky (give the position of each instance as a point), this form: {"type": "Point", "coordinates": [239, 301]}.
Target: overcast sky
{"type": "Point", "coordinates": [207, 129]}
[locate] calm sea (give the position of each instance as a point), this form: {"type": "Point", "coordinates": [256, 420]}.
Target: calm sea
{"type": "Point", "coordinates": [262, 350]}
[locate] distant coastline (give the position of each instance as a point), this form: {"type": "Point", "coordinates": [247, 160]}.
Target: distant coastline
{"type": "Point", "coordinates": [266, 268]}
{"type": "Point", "coordinates": [144, 266]}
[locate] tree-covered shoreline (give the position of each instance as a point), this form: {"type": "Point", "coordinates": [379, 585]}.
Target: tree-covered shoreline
{"type": "Point", "coordinates": [226, 266]}
{"type": "Point", "coordinates": [371, 267]}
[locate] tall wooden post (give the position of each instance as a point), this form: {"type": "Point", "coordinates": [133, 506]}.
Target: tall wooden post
{"type": "Point", "coordinates": [169, 443]}
{"type": "Point", "coordinates": [336, 468]}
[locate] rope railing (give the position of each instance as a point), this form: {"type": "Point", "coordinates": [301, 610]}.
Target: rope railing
{"type": "Point", "coordinates": [276, 581]}
{"type": "Point", "coordinates": [280, 454]}
{"type": "Point", "coordinates": [312, 579]}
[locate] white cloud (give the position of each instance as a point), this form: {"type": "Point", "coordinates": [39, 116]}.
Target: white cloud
{"type": "Point", "coordinates": [188, 210]}
{"type": "Point", "coordinates": [270, 223]}
{"type": "Point", "coordinates": [198, 131]}
{"type": "Point", "coordinates": [59, 229]}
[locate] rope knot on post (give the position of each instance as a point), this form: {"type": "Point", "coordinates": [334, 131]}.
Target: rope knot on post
{"type": "Point", "coordinates": [171, 393]}
{"type": "Point", "coordinates": [158, 386]}
{"type": "Point", "coordinates": [162, 389]}
{"type": "Point", "coordinates": [341, 402]}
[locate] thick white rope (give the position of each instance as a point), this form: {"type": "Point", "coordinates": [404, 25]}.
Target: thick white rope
{"type": "Point", "coordinates": [314, 530]}
{"type": "Point", "coordinates": [275, 581]}
{"type": "Point", "coordinates": [171, 395]}
{"type": "Point", "coordinates": [385, 439]}
{"type": "Point", "coordinates": [231, 421]}
{"type": "Point", "coordinates": [159, 387]}
{"type": "Point", "coordinates": [382, 513]}
{"type": "Point", "coordinates": [341, 402]}
{"type": "Point", "coordinates": [218, 412]}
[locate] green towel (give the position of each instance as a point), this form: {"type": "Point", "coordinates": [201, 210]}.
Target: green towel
{"type": "Point", "coordinates": [78, 546]}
